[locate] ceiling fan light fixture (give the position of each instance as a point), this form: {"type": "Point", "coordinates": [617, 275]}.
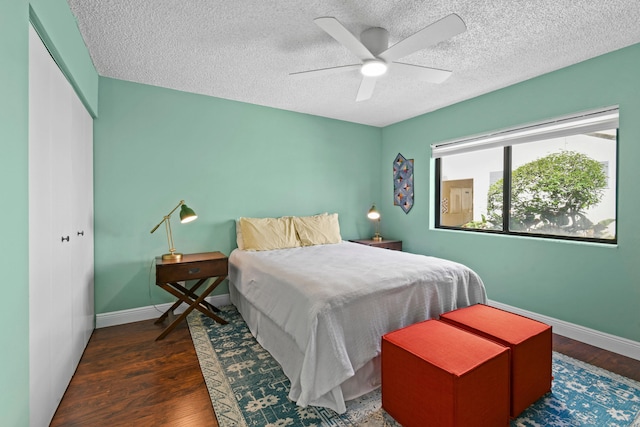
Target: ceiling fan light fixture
{"type": "Point", "coordinates": [373, 68]}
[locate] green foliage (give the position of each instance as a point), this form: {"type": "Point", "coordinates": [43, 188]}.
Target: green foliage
{"type": "Point", "coordinates": [551, 194]}
{"type": "Point", "coordinates": [494, 204]}
{"type": "Point", "coordinates": [482, 224]}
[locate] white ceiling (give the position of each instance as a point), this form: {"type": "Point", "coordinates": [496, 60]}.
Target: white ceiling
{"type": "Point", "coordinates": [243, 50]}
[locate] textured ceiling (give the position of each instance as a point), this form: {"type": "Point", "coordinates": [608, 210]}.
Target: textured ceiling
{"type": "Point", "coordinates": [244, 49]}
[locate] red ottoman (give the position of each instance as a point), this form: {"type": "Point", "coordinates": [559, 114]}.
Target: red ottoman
{"type": "Point", "coordinates": [530, 342]}
{"type": "Point", "coordinates": [434, 374]}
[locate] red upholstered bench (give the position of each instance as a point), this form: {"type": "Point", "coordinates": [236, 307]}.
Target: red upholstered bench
{"type": "Point", "coordinates": [530, 342]}
{"type": "Point", "coordinates": [434, 374]}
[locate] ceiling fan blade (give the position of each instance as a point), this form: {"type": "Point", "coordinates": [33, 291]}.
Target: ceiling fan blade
{"type": "Point", "coordinates": [366, 88]}
{"type": "Point", "coordinates": [335, 29]}
{"type": "Point", "coordinates": [435, 33]}
{"type": "Point", "coordinates": [324, 71]}
{"type": "Point", "coordinates": [431, 75]}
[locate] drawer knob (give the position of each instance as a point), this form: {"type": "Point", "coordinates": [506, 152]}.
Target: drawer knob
{"type": "Point", "coordinates": [194, 270]}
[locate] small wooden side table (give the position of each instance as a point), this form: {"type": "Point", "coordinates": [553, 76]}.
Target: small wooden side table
{"type": "Point", "coordinates": [201, 267]}
{"type": "Point", "coordinates": [395, 245]}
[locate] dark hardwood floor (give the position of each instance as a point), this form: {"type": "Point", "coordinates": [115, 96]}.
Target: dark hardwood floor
{"type": "Point", "coordinates": [612, 362]}
{"type": "Point", "coordinates": [126, 378]}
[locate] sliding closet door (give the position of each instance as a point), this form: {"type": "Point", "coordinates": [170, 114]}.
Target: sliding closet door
{"type": "Point", "coordinates": [61, 180]}
{"type": "Point", "coordinates": [61, 312]}
{"type": "Point", "coordinates": [87, 319]}
{"type": "Point", "coordinates": [82, 227]}
{"type": "Point", "coordinates": [40, 235]}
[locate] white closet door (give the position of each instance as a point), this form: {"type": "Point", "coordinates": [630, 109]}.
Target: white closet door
{"type": "Point", "coordinates": [88, 304]}
{"type": "Point", "coordinates": [61, 178]}
{"type": "Point", "coordinates": [60, 232]}
{"type": "Point", "coordinates": [40, 235]}
{"type": "Point", "coordinates": [82, 231]}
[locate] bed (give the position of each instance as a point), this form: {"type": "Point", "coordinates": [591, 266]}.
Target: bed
{"type": "Point", "coordinates": [320, 310]}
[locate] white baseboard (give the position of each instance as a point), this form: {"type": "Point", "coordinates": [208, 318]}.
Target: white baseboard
{"type": "Point", "coordinates": [599, 339]}
{"type": "Point", "coordinates": [121, 317]}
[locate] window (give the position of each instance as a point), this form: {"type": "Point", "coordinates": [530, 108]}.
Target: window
{"type": "Point", "coordinates": [552, 179]}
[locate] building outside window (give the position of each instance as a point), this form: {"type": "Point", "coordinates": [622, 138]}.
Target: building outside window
{"type": "Point", "coordinates": [560, 179]}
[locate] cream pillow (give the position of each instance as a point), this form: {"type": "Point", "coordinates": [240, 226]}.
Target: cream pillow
{"type": "Point", "coordinates": [239, 240]}
{"type": "Point", "coordinates": [263, 234]}
{"type": "Point", "coordinates": [318, 229]}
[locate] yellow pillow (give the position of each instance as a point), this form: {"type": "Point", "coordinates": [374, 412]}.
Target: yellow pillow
{"type": "Point", "coordinates": [318, 229]}
{"type": "Point", "coordinates": [263, 234]}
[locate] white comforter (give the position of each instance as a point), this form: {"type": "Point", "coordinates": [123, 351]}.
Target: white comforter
{"type": "Point", "coordinates": [336, 301]}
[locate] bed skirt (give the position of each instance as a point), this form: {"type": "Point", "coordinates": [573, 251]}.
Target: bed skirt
{"type": "Point", "coordinates": [282, 346]}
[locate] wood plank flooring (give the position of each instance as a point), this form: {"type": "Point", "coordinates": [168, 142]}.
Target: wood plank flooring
{"type": "Point", "coordinates": [612, 362]}
{"type": "Point", "coordinates": [126, 378]}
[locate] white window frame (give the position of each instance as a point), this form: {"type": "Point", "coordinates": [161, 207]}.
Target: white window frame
{"type": "Point", "coordinates": [579, 123]}
{"type": "Point", "coordinates": [585, 122]}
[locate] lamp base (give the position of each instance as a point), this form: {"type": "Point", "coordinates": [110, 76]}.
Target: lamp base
{"type": "Point", "coordinates": [172, 257]}
{"type": "Point", "coordinates": [377, 238]}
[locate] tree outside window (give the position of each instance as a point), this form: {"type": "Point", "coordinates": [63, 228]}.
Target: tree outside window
{"type": "Point", "coordinates": [551, 195]}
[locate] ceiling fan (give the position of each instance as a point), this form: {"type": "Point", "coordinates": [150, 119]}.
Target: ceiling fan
{"type": "Point", "coordinates": [377, 57]}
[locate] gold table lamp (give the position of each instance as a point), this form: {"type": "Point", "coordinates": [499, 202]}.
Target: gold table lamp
{"type": "Point", "coordinates": [375, 215]}
{"type": "Point", "coordinates": [186, 215]}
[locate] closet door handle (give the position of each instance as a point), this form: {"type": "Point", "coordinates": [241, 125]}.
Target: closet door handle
{"type": "Point", "coordinates": [81, 233]}
{"type": "Point", "coordinates": [65, 238]}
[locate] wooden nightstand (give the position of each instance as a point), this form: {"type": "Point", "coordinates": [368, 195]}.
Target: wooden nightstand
{"type": "Point", "coordinates": [199, 267]}
{"type": "Point", "coordinates": [395, 245]}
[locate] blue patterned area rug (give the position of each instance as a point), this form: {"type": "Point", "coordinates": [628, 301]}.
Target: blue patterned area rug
{"type": "Point", "coordinates": [248, 388]}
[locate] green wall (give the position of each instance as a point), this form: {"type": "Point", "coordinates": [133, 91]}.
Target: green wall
{"type": "Point", "coordinates": [226, 159]}
{"type": "Point", "coordinates": [14, 316]}
{"type": "Point", "coordinates": [596, 286]}
{"type": "Point", "coordinates": [155, 146]}
{"type": "Point", "coordinates": [56, 19]}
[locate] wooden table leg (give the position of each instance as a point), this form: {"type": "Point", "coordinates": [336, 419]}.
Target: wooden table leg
{"type": "Point", "coordinates": [177, 303]}
{"type": "Point", "coordinates": [192, 304]}
{"type": "Point", "coordinates": [193, 295]}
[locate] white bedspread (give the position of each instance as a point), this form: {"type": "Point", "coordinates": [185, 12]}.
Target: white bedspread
{"type": "Point", "coordinates": [336, 301]}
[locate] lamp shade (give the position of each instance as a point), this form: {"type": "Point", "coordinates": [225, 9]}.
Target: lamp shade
{"type": "Point", "coordinates": [187, 214]}
{"type": "Point", "coordinates": [373, 213]}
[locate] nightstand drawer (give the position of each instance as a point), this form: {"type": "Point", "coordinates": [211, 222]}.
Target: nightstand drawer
{"type": "Point", "coordinates": [191, 270]}
{"type": "Point", "coordinates": [395, 245]}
